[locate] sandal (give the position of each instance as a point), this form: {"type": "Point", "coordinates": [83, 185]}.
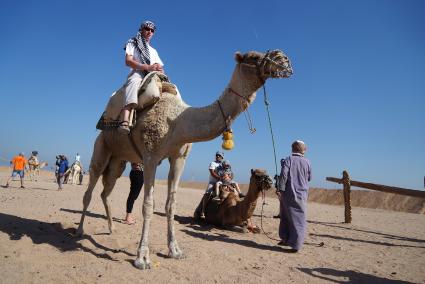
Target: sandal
{"type": "Point", "coordinates": [123, 127]}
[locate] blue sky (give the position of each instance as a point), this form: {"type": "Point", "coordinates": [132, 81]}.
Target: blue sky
{"type": "Point", "coordinates": [356, 98]}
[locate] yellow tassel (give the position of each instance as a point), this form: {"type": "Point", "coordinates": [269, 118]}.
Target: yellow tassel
{"type": "Point", "coordinates": [228, 143]}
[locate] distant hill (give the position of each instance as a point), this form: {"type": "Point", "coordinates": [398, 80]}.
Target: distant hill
{"type": "Point", "coordinates": [359, 198]}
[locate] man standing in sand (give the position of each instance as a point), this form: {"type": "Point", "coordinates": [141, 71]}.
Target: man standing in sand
{"type": "Point", "coordinates": [63, 167]}
{"type": "Point", "coordinates": [18, 163]}
{"type": "Point", "coordinates": [142, 58]}
{"type": "Point", "coordinates": [292, 189]}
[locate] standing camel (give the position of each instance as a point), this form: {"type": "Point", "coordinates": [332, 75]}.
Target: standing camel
{"type": "Point", "coordinates": [73, 172]}
{"type": "Point", "coordinates": [166, 131]}
{"type": "Point", "coordinates": [34, 168]}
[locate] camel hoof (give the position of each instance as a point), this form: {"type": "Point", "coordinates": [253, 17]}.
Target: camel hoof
{"type": "Point", "coordinates": [177, 255]}
{"type": "Point", "coordinates": [142, 264]}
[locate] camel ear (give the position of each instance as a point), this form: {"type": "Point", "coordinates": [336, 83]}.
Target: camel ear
{"type": "Point", "coordinates": [252, 171]}
{"type": "Point", "coordinates": [238, 57]}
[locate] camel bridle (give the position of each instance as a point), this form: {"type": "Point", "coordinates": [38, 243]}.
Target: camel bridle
{"type": "Point", "coordinates": [263, 182]}
{"type": "Point", "coordinates": [284, 73]}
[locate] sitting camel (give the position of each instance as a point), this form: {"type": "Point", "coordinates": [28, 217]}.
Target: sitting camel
{"type": "Point", "coordinates": [232, 210]}
{"type": "Point", "coordinates": [166, 130]}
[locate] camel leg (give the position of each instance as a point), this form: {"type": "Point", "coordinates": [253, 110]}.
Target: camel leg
{"type": "Point", "coordinates": [114, 170]}
{"type": "Point", "coordinates": [74, 177]}
{"type": "Point", "coordinates": [99, 162]}
{"type": "Point", "coordinates": [143, 259]}
{"type": "Point", "coordinates": [176, 169]}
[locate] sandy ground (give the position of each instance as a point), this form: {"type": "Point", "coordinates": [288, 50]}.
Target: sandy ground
{"type": "Point", "coordinates": [36, 247]}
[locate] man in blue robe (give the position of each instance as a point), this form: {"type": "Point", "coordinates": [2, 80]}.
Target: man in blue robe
{"type": "Point", "coordinates": [292, 189]}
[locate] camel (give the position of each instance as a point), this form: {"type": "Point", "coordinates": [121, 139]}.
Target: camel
{"type": "Point", "coordinates": [166, 130]}
{"type": "Point", "coordinates": [73, 173]}
{"type": "Point", "coordinates": [233, 211]}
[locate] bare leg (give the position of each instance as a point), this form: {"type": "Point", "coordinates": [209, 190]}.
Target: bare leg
{"type": "Point", "coordinates": [8, 181]}
{"type": "Point", "coordinates": [176, 169]}
{"type": "Point", "coordinates": [114, 170]}
{"type": "Point", "coordinates": [125, 113]}
{"type": "Point", "coordinates": [143, 259]}
{"type": "Point", "coordinates": [99, 162]}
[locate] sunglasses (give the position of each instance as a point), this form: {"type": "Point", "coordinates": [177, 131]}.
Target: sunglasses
{"type": "Point", "coordinates": [149, 29]}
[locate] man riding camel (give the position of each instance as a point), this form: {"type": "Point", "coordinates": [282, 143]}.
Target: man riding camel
{"type": "Point", "coordinates": [142, 58]}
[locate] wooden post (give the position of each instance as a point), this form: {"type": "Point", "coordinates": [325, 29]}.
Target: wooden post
{"type": "Point", "coordinates": [347, 196]}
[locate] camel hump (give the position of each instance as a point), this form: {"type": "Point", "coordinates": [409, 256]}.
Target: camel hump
{"type": "Point", "coordinates": [152, 87]}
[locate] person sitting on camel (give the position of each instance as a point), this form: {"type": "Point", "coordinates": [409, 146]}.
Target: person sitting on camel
{"type": "Point", "coordinates": [142, 58]}
{"type": "Point", "coordinates": [224, 171]}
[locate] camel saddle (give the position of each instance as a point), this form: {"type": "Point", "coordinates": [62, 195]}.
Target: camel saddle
{"type": "Point", "coordinates": [150, 91]}
{"type": "Point", "coordinates": [225, 190]}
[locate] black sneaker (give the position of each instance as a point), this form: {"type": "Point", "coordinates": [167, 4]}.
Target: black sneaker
{"type": "Point", "coordinates": [22, 186]}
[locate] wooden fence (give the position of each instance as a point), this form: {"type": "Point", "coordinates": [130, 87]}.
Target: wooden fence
{"type": "Point", "coordinates": [347, 183]}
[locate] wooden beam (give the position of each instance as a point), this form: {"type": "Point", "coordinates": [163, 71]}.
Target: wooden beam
{"type": "Point", "coordinates": [332, 179]}
{"type": "Point", "coordinates": [383, 188]}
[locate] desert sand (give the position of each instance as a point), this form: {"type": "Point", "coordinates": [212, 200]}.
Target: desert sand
{"type": "Point", "coordinates": [37, 246]}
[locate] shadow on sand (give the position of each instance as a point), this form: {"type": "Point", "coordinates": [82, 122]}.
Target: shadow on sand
{"type": "Point", "coordinates": [384, 235]}
{"type": "Point", "coordinates": [184, 220]}
{"type": "Point", "coordinates": [350, 276]}
{"type": "Point", "coordinates": [226, 239]}
{"type": "Point", "coordinates": [88, 213]}
{"type": "Point", "coordinates": [53, 234]}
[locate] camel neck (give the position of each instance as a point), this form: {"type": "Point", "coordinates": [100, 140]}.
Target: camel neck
{"type": "Point", "coordinates": [206, 123]}
{"type": "Point", "coordinates": [247, 206]}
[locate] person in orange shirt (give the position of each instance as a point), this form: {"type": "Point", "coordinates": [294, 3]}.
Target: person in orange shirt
{"type": "Point", "coordinates": [18, 163]}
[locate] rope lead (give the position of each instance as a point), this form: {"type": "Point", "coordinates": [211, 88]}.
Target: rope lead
{"type": "Point", "coordinates": [266, 103]}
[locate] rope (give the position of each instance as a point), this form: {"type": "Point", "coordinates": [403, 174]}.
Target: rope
{"type": "Point", "coordinates": [249, 121]}
{"type": "Point", "coordinates": [266, 102]}
{"type": "Point", "coordinates": [261, 218]}
{"type": "Point", "coordinates": [224, 117]}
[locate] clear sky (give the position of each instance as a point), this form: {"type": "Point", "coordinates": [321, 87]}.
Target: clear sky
{"type": "Point", "coordinates": [357, 96]}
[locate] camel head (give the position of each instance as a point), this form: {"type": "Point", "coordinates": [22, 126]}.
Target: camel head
{"type": "Point", "coordinates": [261, 179]}
{"type": "Point", "coordinates": [272, 64]}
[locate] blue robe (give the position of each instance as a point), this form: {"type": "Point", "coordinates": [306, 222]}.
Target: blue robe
{"type": "Point", "coordinates": [293, 185]}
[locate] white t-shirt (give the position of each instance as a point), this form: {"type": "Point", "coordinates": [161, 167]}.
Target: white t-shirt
{"type": "Point", "coordinates": [213, 166]}
{"type": "Point", "coordinates": [131, 50]}
{"type": "Point", "coordinates": [77, 158]}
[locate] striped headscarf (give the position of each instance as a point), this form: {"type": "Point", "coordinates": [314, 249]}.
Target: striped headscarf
{"type": "Point", "coordinates": [140, 43]}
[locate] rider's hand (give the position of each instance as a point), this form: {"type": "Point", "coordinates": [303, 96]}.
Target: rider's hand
{"type": "Point", "coordinates": [158, 67]}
